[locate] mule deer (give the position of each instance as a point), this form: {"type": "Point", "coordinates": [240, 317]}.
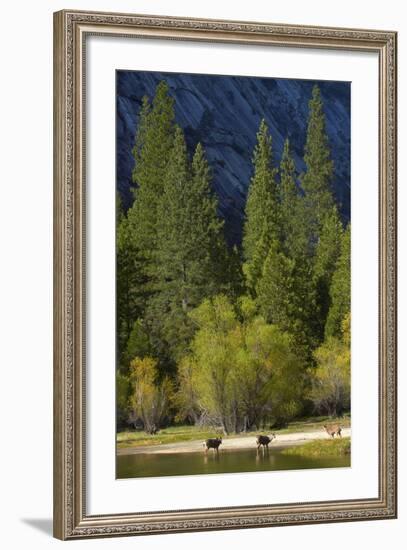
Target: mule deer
{"type": "Point", "coordinates": [264, 440]}
{"type": "Point", "coordinates": [333, 430]}
{"type": "Point", "coordinates": [212, 443]}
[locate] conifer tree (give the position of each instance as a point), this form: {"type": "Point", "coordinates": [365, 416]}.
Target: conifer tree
{"type": "Point", "coordinates": [340, 290]}
{"type": "Point", "coordinates": [210, 230]}
{"type": "Point", "coordinates": [152, 148]}
{"type": "Point", "coordinates": [139, 142]}
{"type": "Point", "coordinates": [293, 237]}
{"type": "Point", "coordinates": [285, 288]}
{"type": "Point", "coordinates": [190, 246]}
{"type": "Point", "coordinates": [288, 190]}
{"type": "Point", "coordinates": [326, 257]}
{"type": "Point", "coordinates": [319, 167]}
{"type": "Point", "coordinates": [286, 297]}
{"type": "Point", "coordinates": [262, 209]}
{"type": "Point", "coordinates": [275, 289]}
{"type": "Point", "coordinates": [129, 283]}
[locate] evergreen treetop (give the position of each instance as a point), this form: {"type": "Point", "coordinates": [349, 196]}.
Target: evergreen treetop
{"type": "Point", "coordinates": [289, 203]}
{"type": "Point", "coordinates": [262, 207]}
{"type": "Point", "coordinates": [316, 182]}
{"type": "Point", "coordinates": [153, 144]}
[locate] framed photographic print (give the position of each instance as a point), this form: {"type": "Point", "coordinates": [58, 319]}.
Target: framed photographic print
{"type": "Point", "coordinates": [225, 274]}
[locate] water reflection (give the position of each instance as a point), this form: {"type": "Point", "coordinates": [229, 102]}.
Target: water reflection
{"type": "Point", "coordinates": [226, 461]}
{"type": "Point", "coordinates": [211, 456]}
{"type": "Point", "coordinates": [264, 455]}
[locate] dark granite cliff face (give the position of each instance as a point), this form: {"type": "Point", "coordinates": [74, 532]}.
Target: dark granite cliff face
{"type": "Point", "coordinates": [223, 113]}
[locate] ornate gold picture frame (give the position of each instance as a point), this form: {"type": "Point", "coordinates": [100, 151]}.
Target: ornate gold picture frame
{"type": "Point", "coordinates": [71, 30]}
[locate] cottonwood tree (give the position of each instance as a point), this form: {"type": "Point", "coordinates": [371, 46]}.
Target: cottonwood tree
{"type": "Point", "coordinates": [150, 398]}
{"type": "Point", "coordinates": [242, 372]}
{"type": "Point", "coordinates": [331, 378]}
{"type": "Point", "coordinates": [269, 375]}
{"type": "Point", "coordinates": [213, 354]}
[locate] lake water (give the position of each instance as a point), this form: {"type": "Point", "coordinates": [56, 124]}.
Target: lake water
{"type": "Point", "coordinates": [230, 461]}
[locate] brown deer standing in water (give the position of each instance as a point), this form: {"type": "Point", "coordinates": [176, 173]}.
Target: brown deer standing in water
{"type": "Point", "coordinates": [334, 429]}
{"type": "Point", "coordinates": [212, 443]}
{"type": "Point", "coordinates": [264, 440]}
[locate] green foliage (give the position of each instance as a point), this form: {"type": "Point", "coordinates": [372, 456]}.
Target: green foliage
{"type": "Point", "coordinates": [186, 398]}
{"type": "Point", "coordinates": [150, 399]}
{"type": "Point", "coordinates": [140, 141]}
{"type": "Point", "coordinates": [247, 308]}
{"type": "Point", "coordinates": [291, 228]}
{"type": "Point", "coordinates": [331, 379]}
{"type": "Point", "coordinates": [241, 372]}
{"type": "Point", "coordinates": [285, 296]}
{"type": "Point", "coordinates": [326, 257]}
{"type": "Point", "coordinates": [294, 287]}
{"type": "Point", "coordinates": [346, 329]}
{"type": "Point", "coordinates": [317, 178]}
{"type": "Point", "coordinates": [234, 282]}
{"type": "Point", "coordinates": [191, 252]}
{"type": "Point", "coordinates": [154, 141]}
{"type": "Point", "coordinates": [340, 289]}
{"type": "Point", "coordinates": [122, 397]}
{"type": "Point", "coordinates": [129, 282]}
{"type": "Point", "coordinates": [262, 209]}
{"type": "Point", "coordinates": [189, 230]}
{"type": "Point", "coordinates": [228, 336]}
{"type": "Point", "coordinates": [138, 344]}
{"type": "Point", "coordinates": [276, 288]}
{"type": "Point", "coordinates": [329, 244]}
{"type": "Point", "coordinates": [212, 352]}
{"type": "Point", "coordinates": [269, 374]}
{"type": "Point", "coordinates": [321, 448]}
{"type": "Point", "coordinates": [170, 434]}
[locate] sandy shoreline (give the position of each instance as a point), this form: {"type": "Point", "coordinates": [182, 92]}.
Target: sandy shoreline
{"type": "Point", "coordinates": [235, 443]}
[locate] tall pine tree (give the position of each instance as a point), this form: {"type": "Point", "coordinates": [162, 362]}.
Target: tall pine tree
{"type": "Point", "coordinates": [153, 144]}
{"type": "Point", "coordinates": [316, 181]}
{"type": "Point", "coordinates": [326, 256]}
{"type": "Point", "coordinates": [320, 219]}
{"type": "Point", "coordinates": [292, 233]}
{"type": "Point", "coordinates": [340, 290]}
{"type": "Point", "coordinates": [262, 209]}
{"type": "Point", "coordinates": [190, 245]}
{"type": "Point", "coordinates": [129, 283]}
{"type": "Point", "coordinates": [285, 289]}
{"type": "Point", "coordinates": [286, 297]}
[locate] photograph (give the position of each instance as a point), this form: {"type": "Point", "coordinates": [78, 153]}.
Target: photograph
{"type": "Point", "coordinates": [233, 274]}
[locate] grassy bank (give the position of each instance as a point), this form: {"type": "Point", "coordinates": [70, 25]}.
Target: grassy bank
{"type": "Point", "coordinates": [176, 434]}
{"type": "Point", "coordinates": [321, 448]}
{"type": "Point", "coordinates": [313, 423]}
{"type": "Point", "coordinates": [173, 434]}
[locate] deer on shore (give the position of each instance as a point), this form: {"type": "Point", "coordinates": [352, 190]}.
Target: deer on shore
{"type": "Point", "coordinates": [334, 429]}
{"type": "Point", "coordinates": [264, 440]}
{"type": "Point", "coordinates": [212, 443]}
